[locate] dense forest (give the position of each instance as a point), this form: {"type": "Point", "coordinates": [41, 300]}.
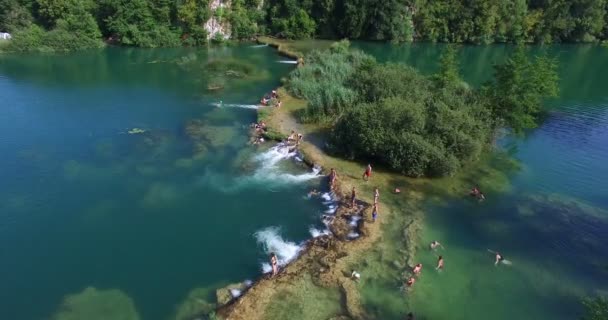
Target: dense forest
{"type": "Point", "coordinates": [416, 124]}
{"type": "Point", "coordinates": [74, 24]}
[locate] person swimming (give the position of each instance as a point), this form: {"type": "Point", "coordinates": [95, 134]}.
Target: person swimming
{"type": "Point", "coordinates": [313, 193]}
{"type": "Point", "coordinates": [439, 263]}
{"type": "Point", "coordinates": [274, 263]}
{"type": "Point", "coordinates": [410, 282]}
{"type": "Point", "coordinates": [397, 191]}
{"type": "Point", "coordinates": [499, 258]}
{"type": "Point", "coordinates": [436, 244]}
{"type": "Point", "coordinates": [417, 269]}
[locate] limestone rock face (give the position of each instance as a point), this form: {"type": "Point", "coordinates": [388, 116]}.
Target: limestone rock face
{"type": "Point", "coordinates": [218, 25]}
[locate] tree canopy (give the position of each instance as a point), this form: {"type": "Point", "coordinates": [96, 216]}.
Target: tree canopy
{"type": "Point", "coordinates": [415, 124]}
{"type": "Point", "coordinates": [154, 23]}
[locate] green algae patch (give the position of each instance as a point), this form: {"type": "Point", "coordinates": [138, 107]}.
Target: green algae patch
{"type": "Point", "coordinates": [160, 195]}
{"type": "Point", "coordinates": [196, 304]}
{"type": "Point", "coordinates": [295, 48]}
{"type": "Point", "coordinates": [231, 68]}
{"type": "Point", "coordinates": [77, 171]}
{"type": "Point", "coordinates": [304, 301]}
{"type": "Point", "coordinates": [93, 304]}
{"type": "Point", "coordinates": [203, 136]}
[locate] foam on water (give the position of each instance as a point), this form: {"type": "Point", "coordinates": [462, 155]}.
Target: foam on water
{"type": "Point", "coordinates": [267, 173]}
{"type": "Point", "coordinates": [234, 105]}
{"type": "Point", "coordinates": [259, 46]}
{"type": "Point", "coordinates": [288, 61]}
{"type": "Point", "coordinates": [235, 293]}
{"type": "Point", "coordinates": [326, 196]}
{"type": "Point", "coordinates": [314, 232]}
{"type": "Point", "coordinates": [272, 242]}
{"type": "Point", "coordinates": [353, 235]}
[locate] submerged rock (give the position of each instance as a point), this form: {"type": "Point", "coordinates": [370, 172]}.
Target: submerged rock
{"type": "Point", "coordinates": [93, 304]}
{"type": "Point", "coordinates": [203, 135]}
{"type": "Point", "coordinates": [196, 305]}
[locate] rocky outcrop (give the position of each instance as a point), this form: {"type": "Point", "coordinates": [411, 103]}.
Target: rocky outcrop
{"type": "Point", "coordinates": [218, 26]}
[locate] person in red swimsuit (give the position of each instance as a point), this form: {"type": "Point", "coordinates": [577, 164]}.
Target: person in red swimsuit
{"type": "Point", "coordinates": [368, 172]}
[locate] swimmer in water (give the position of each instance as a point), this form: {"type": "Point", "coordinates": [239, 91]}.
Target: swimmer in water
{"type": "Point", "coordinates": [499, 257]}
{"type": "Point", "coordinates": [397, 191]}
{"type": "Point", "coordinates": [410, 282]}
{"type": "Point", "coordinates": [435, 244]}
{"type": "Point", "coordinates": [353, 198]}
{"type": "Point", "coordinates": [274, 263]}
{"type": "Point", "coordinates": [313, 193]}
{"type": "Point", "coordinates": [417, 269]}
{"type": "Point", "coordinates": [439, 263]}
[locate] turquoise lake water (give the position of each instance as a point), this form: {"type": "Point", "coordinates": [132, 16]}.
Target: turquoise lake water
{"type": "Point", "coordinates": [550, 218]}
{"type": "Point", "coordinates": [188, 204]}
{"type": "Point", "coordinates": [84, 203]}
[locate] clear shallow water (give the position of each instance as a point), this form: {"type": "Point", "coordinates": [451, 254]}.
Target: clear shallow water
{"type": "Point", "coordinates": [552, 220]}
{"type": "Point", "coordinates": [155, 215]}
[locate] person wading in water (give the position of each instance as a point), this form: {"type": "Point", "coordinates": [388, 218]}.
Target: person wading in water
{"type": "Point", "coordinates": [439, 263]}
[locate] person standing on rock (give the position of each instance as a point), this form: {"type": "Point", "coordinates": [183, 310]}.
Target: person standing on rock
{"type": "Point", "coordinates": [368, 172]}
{"type": "Point", "coordinates": [332, 178]}
{"type": "Point", "coordinates": [353, 198]}
{"type": "Point", "coordinates": [274, 263]}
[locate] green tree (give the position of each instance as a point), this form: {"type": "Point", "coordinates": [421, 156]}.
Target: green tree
{"type": "Point", "coordinates": [192, 15]}
{"type": "Point", "coordinates": [519, 87]}
{"type": "Point", "coordinates": [13, 16]}
{"type": "Point", "coordinates": [133, 23]}
{"type": "Point", "coordinates": [449, 67]}
{"type": "Point", "coordinates": [595, 308]}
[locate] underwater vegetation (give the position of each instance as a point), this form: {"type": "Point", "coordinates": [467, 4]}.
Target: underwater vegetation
{"type": "Point", "coordinates": [94, 304]}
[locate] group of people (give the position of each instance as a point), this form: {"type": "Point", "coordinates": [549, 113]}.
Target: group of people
{"type": "Point", "coordinates": [295, 138]}
{"type": "Point", "coordinates": [268, 98]}
{"type": "Point", "coordinates": [260, 129]}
